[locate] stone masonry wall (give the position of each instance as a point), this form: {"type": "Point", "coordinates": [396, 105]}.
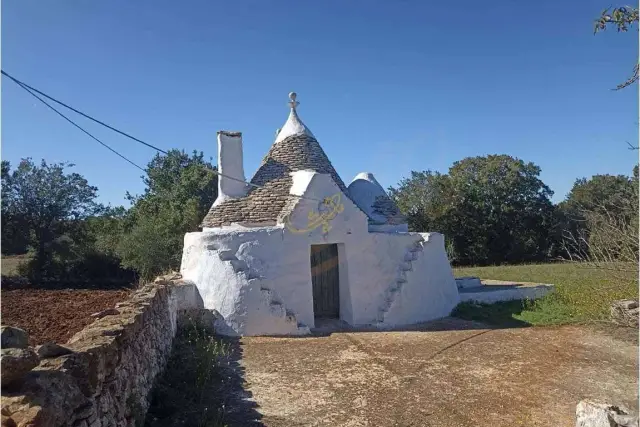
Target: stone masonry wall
{"type": "Point", "coordinates": [107, 378]}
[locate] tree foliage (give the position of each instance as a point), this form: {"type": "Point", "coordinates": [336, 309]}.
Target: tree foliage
{"type": "Point", "coordinates": [180, 189]}
{"type": "Point", "coordinates": [602, 225]}
{"type": "Point", "coordinates": [15, 233]}
{"type": "Point", "coordinates": [622, 18]}
{"type": "Point", "coordinates": [42, 204]}
{"type": "Point", "coordinates": [600, 192]}
{"type": "Point", "coordinates": [424, 199]}
{"type": "Point", "coordinates": [491, 209]}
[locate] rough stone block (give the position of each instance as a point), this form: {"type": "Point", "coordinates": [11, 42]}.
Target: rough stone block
{"type": "Point", "coordinates": [15, 363]}
{"type": "Point", "coordinates": [51, 349]}
{"type": "Point", "coordinates": [107, 312]}
{"type": "Point", "coordinates": [12, 337]}
{"type": "Point", "coordinates": [591, 414]}
{"type": "Point", "coordinates": [625, 312]}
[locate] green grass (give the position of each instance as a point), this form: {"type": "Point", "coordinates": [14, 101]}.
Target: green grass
{"type": "Point", "coordinates": [581, 294]}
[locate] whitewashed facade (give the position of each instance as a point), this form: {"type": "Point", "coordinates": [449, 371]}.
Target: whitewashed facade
{"type": "Point", "coordinates": [254, 260]}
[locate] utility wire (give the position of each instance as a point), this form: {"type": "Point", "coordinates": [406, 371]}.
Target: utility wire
{"type": "Point", "coordinates": [24, 85]}
{"type": "Point", "coordinates": [31, 91]}
{"type": "Point", "coordinates": [73, 123]}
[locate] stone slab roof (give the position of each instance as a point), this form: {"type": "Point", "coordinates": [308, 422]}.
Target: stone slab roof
{"type": "Point", "coordinates": [272, 202]}
{"type": "Point", "coordinates": [385, 207]}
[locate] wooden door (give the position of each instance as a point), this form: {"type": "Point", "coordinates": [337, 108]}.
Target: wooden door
{"type": "Point", "coordinates": [324, 279]}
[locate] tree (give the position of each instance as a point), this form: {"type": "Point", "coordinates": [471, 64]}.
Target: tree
{"type": "Point", "coordinates": [180, 190]}
{"type": "Point", "coordinates": [602, 226]}
{"type": "Point", "coordinates": [15, 233]}
{"type": "Point", "coordinates": [423, 198]}
{"type": "Point", "coordinates": [491, 209]}
{"type": "Point", "coordinates": [600, 192]}
{"type": "Point", "coordinates": [48, 203]}
{"type": "Point", "coordinates": [621, 18]}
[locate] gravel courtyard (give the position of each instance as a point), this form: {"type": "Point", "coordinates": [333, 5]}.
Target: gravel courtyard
{"type": "Point", "coordinates": [447, 373]}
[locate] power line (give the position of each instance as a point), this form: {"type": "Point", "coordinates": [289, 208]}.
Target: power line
{"type": "Point", "coordinates": [31, 91]}
{"type": "Point", "coordinates": [23, 86]}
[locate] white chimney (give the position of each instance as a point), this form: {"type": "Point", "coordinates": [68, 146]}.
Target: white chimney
{"type": "Point", "coordinates": [231, 185]}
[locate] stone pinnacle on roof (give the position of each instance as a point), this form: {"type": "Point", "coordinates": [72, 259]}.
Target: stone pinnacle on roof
{"type": "Point", "coordinates": [294, 125]}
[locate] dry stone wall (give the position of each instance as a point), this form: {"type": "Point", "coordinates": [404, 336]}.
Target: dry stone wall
{"type": "Point", "coordinates": [106, 378]}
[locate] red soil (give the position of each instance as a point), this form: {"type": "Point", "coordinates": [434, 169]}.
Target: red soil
{"type": "Point", "coordinates": [55, 315]}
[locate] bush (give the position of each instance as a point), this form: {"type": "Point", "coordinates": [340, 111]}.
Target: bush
{"type": "Point", "coordinates": [93, 269]}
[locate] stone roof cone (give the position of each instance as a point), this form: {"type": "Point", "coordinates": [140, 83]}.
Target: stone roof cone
{"type": "Point", "coordinates": [294, 149]}
{"type": "Point", "coordinates": [368, 194]}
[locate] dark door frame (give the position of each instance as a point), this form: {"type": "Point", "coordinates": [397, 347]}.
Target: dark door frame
{"type": "Point", "coordinates": [325, 280]}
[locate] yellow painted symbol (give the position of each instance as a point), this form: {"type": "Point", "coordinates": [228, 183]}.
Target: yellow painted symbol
{"type": "Point", "coordinates": [327, 211]}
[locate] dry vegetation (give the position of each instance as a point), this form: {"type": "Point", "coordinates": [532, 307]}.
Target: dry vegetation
{"type": "Point", "coordinates": [10, 264]}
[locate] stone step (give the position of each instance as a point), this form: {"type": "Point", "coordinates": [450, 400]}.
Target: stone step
{"type": "Point", "coordinates": [302, 329]}
{"type": "Point", "coordinates": [267, 295]}
{"type": "Point", "coordinates": [406, 266]}
{"type": "Point", "coordinates": [411, 256]}
{"type": "Point", "coordinates": [238, 265]}
{"type": "Point", "coordinates": [291, 317]}
{"type": "Point", "coordinates": [227, 255]}
{"type": "Point", "coordinates": [393, 288]}
{"type": "Point", "coordinates": [416, 247]}
{"type": "Point", "coordinates": [277, 309]}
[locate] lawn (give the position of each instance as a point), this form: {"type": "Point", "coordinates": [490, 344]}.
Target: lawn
{"type": "Point", "coordinates": [581, 294]}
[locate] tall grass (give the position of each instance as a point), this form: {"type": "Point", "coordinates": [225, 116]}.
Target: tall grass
{"type": "Point", "coordinates": [185, 393]}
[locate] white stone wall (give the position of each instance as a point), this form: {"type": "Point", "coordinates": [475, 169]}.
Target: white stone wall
{"type": "Point", "coordinates": [430, 290]}
{"type": "Point", "coordinates": [231, 167]}
{"type": "Point", "coordinates": [242, 272]}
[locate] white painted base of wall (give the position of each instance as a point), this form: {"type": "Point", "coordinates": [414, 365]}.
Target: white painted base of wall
{"type": "Point", "coordinates": [468, 282]}
{"type": "Point", "coordinates": [259, 279]}
{"type": "Point", "coordinates": [489, 294]}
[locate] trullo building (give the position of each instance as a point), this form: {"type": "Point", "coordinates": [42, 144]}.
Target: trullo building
{"type": "Point", "coordinates": [297, 244]}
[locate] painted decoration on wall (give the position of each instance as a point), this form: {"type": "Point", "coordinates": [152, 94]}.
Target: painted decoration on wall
{"type": "Point", "coordinates": [327, 211]}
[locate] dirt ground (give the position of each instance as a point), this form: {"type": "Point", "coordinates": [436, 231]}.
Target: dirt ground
{"type": "Point", "coordinates": [55, 314]}
{"type": "Point", "coordinates": [448, 373]}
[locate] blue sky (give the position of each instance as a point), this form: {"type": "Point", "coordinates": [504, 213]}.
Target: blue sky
{"type": "Point", "coordinates": [386, 86]}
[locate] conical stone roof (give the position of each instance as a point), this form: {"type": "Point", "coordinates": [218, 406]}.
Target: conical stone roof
{"type": "Point", "coordinates": [295, 149]}
{"type": "Point", "coordinates": [371, 198]}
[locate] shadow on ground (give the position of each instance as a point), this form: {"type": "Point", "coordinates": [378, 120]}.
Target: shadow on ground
{"type": "Point", "coordinates": [239, 408]}
{"type": "Point", "coordinates": [497, 315]}
{"type": "Point", "coordinates": [466, 316]}
{"type": "Point", "coordinates": [203, 385]}
{"type": "Point", "coordinates": [204, 382]}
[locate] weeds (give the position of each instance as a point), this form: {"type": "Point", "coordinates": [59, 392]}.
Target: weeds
{"type": "Point", "coordinates": [185, 393]}
{"type": "Point", "coordinates": [582, 294]}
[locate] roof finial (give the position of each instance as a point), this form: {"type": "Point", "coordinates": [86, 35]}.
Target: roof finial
{"type": "Point", "coordinates": [294, 125]}
{"type": "Point", "coordinates": [293, 103]}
